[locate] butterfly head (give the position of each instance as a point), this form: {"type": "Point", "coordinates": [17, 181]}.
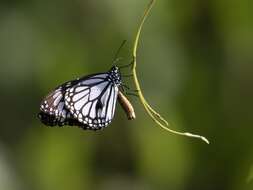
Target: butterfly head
{"type": "Point", "coordinates": [115, 76]}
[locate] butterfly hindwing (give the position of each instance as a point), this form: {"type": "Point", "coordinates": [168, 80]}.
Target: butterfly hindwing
{"type": "Point", "coordinates": [52, 109]}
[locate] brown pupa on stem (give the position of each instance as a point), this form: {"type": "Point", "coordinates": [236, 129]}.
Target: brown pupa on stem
{"type": "Point", "coordinates": [126, 105]}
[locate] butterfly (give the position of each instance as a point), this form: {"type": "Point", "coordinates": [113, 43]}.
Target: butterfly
{"type": "Point", "coordinates": [88, 102]}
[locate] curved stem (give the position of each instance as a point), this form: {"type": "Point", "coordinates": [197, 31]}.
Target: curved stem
{"type": "Point", "coordinates": [156, 117]}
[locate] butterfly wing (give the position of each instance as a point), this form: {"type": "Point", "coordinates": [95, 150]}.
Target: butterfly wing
{"type": "Point", "coordinates": [52, 109]}
{"type": "Point", "coordinates": [92, 101]}
{"type": "Point", "coordinates": [51, 120]}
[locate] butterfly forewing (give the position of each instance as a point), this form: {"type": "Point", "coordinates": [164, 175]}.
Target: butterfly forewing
{"type": "Point", "coordinates": [91, 101]}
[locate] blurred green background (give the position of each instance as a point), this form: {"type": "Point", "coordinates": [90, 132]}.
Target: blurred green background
{"type": "Point", "coordinates": [195, 64]}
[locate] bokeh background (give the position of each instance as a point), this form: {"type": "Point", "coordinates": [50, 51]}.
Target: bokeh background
{"type": "Point", "coordinates": [195, 65]}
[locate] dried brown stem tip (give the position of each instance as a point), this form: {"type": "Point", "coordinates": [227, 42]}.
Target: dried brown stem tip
{"type": "Point", "coordinates": [126, 105]}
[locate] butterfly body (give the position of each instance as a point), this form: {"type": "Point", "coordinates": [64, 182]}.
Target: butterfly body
{"type": "Point", "coordinates": [88, 102]}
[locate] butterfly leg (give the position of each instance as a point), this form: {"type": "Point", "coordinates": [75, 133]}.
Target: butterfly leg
{"type": "Point", "coordinates": [132, 94]}
{"type": "Point", "coordinates": [128, 88]}
{"type": "Point", "coordinates": [129, 91]}
{"type": "Point", "coordinates": [127, 65]}
{"type": "Point", "coordinates": [130, 75]}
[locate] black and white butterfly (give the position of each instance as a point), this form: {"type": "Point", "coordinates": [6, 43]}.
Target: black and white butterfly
{"type": "Point", "coordinates": [88, 102]}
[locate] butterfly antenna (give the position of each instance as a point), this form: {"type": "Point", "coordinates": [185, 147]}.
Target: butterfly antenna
{"type": "Point", "coordinates": [116, 59]}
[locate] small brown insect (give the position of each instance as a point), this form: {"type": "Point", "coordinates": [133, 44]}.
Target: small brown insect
{"type": "Point", "coordinates": [126, 105]}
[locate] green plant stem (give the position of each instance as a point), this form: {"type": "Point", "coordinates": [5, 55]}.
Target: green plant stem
{"type": "Point", "coordinates": [156, 117]}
